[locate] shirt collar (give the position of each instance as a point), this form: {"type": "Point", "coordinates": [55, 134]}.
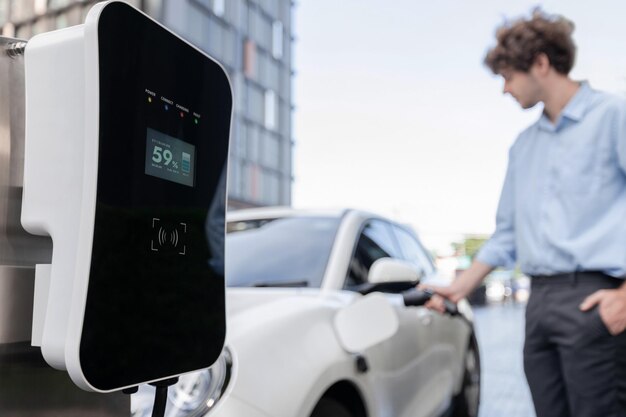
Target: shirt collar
{"type": "Point", "coordinates": [574, 110]}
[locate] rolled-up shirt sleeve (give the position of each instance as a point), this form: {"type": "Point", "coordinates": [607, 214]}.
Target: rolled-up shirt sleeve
{"type": "Point", "coordinates": [499, 250]}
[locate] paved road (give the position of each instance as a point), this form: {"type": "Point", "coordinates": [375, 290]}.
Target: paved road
{"type": "Point", "coordinates": [500, 332]}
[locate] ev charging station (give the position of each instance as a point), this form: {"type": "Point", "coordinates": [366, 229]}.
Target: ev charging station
{"type": "Point", "coordinates": [125, 158]}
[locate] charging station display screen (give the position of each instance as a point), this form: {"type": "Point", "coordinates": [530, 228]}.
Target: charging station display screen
{"type": "Point", "coordinates": [169, 158]}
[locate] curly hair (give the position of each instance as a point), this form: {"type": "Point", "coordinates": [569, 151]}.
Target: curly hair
{"type": "Point", "coordinates": [520, 41]}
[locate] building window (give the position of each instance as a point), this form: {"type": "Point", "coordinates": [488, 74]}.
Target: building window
{"type": "Point", "coordinates": [249, 59]}
{"type": "Point", "coordinates": [271, 189]}
{"type": "Point", "coordinates": [262, 68]}
{"type": "Point", "coordinates": [255, 104]}
{"type": "Point", "coordinates": [273, 74]}
{"type": "Point", "coordinates": [262, 31]}
{"type": "Point", "coordinates": [285, 117]}
{"type": "Point", "coordinates": [253, 143]}
{"type": "Point", "coordinates": [277, 40]}
{"type": "Point", "coordinates": [218, 7]}
{"type": "Point", "coordinates": [287, 160]}
{"type": "Point", "coordinates": [234, 183]}
{"type": "Point", "coordinates": [271, 151]}
{"type": "Point", "coordinates": [215, 36]}
{"type": "Point", "coordinates": [285, 190]}
{"type": "Point", "coordinates": [192, 24]}
{"type": "Point", "coordinates": [241, 138]}
{"type": "Point", "coordinates": [270, 7]}
{"type": "Point", "coordinates": [241, 92]}
{"type": "Point", "coordinates": [253, 185]}
{"type": "Point", "coordinates": [271, 113]}
{"type": "Point", "coordinates": [285, 11]}
{"type": "Point", "coordinates": [285, 83]}
{"type": "Point", "coordinates": [228, 47]}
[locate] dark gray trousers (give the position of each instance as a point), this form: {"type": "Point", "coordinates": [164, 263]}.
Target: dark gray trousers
{"type": "Point", "coordinates": [573, 365]}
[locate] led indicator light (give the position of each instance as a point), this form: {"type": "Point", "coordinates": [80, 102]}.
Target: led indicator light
{"type": "Point", "coordinates": [195, 120]}
{"type": "Point", "coordinates": [181, 114]}
{"type": "Point", "coordinates": [149, 99]}
{"type": "Point", "coordinates": [167, 107]}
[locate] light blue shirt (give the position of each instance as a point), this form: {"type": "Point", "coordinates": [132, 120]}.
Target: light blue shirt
{"type": "Point", "coordinates": [563, 203]}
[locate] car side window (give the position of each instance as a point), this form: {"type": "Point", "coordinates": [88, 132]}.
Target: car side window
{"type": "Point", "coordinates": [413, 251]}
{"type": "Point", "coordinates": [375, 241]}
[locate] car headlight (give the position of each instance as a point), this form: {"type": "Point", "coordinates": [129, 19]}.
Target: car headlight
{"type": "Point", "coordinates": [194, 395]}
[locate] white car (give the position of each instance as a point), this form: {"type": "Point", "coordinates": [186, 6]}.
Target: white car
{"type": "Point", "coordinates": [304, 341]}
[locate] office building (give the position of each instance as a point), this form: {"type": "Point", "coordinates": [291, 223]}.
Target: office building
{"type": "Point", "coordinates": [253, 40]}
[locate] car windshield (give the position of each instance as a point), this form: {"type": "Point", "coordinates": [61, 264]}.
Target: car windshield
{"type": "Point", "coordinates": [281, 252]}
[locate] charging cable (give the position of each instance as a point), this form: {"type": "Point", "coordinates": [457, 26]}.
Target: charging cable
{"type": "Point", "coordinates": [160, 395]}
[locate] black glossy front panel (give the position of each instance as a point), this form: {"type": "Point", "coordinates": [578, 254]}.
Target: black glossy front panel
{"type": "Point", "coordinates": [155, 304]}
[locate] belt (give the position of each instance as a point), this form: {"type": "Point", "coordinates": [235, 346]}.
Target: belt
{"type": "Point", "coordinates": [574, 277]}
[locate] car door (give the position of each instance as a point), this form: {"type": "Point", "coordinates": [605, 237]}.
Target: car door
{"type": "Point", "coordinates": [443, 340]}
{"type": "Point", "coordinates": [403, 367]}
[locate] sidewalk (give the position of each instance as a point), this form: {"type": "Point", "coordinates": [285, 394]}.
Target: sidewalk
{"type": "Point", "coordinates": [500, 333]}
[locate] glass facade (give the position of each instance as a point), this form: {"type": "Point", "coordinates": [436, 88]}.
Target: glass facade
{"type": "Point", "coordinates": [252, 39]}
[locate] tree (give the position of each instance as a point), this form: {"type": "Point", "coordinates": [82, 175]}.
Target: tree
{"type": "Point", "coordinates": [469, 246]}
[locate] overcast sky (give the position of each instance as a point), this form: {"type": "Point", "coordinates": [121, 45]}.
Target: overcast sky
{"type": "Point", "coordinates": [396, 114]}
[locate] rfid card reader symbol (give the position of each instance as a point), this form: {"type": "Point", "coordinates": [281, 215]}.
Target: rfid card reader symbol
{"type": "Point", "coordinates": [164, 237]}
{"type": "Point", "coordinates": [168, 237]}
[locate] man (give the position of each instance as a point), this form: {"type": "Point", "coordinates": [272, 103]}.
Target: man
{"type": "Point", "coordinates": [562, 216]}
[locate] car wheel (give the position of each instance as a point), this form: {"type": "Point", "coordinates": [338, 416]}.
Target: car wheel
{"type": "Point", "coordinates": [328, 407]}
{"type": "Point", "coordinates": [466, 402]}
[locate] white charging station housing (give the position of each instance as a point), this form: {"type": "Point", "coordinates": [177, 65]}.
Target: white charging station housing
{"type": "Point", "coordinates": [127, 135]}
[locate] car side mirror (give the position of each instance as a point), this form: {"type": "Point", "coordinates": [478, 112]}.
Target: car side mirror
{"type": "Point", "coordinates": [392, 270]}
{"type": "Point", "coordinates": [365, 323]}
